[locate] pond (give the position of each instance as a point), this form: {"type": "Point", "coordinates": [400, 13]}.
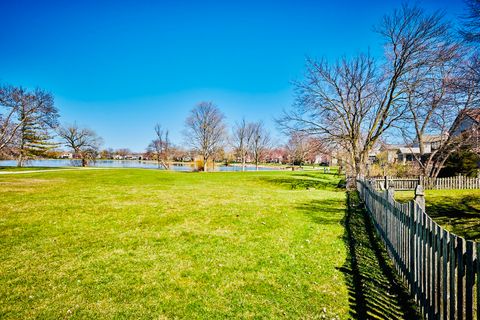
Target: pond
{"type": "Point", "coordinates": [122, 164]}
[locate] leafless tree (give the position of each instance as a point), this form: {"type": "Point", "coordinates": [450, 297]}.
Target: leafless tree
{"type": "Point", "coordinates": [38, 117]}
{"type": "Point", "coordinates": [259, 142]}
{"type": "Point", "coordinates": [123, 152]}
{"type": "Point", "coordinates": [302, 147]}
{"type": "Point", "coordinates": [241, 139]}
{"type": "Point", "coordinates": [23, 114]}
{"type": "Point", "coordinates": [352, 103]}
{"type": "Point", "coordinates": [205, 130]}
{"type": "Point", "coordinates": [160, 147]}
{"type": "Point", "coordinates": [436, 96]}
{"type": "Point", "coordinates": [471, 22]}
{"type": "Point", "coordinates": [83, 142]}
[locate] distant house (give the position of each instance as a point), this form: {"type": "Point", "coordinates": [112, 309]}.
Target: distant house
{"type": "Point", "coordinates": [468, 120]}
{"type": "Point", "coordinates": [408, 154]}
{"type": "Point", "coordinates": [66, 155]}
{"type": "Point", "coordinates": [277, 155]}
{"type": "Point", "coordinates": [432, 142]}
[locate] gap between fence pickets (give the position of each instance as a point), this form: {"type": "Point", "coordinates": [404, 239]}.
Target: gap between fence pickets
{"type": "Point", "coordinates": [437, 259]}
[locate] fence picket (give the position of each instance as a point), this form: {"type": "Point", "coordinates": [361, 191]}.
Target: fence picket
{"type": "Point", "coordinates": [441, 269]}
{"type": "Point", "coordinates": [458, 182]}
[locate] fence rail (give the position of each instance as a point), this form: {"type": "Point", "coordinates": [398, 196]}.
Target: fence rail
{"type": "Point", "coordinates": [457, 182]}
{"type": "Point", "coordinates": [442, 270]}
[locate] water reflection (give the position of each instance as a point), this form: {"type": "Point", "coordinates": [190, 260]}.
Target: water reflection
{"type": "Point", "coordinates": [121, 164]}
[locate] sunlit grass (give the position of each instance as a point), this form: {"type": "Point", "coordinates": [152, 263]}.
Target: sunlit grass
{"type": "Point", "coordinates": [133, 243]}
{"type": "Point", "coordinates": [456, 210]}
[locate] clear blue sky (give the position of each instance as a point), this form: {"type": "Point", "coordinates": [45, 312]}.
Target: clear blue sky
{"type": "Point", "coordinates": [119, 67]}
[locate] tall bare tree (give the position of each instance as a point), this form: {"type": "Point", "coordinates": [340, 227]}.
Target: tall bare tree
{"type": "Point", "coordinates": [352, 103]}
{"type": "Point", "coordinates": [242, 135]}
{"type": "Point", "coordinates": [82, 141]}
{"type": "Point", "coordinates": [302, 147]}
{"type": "Point", "coordinates": [205, 130]}
{"type": "Point", "coordinates": [160, 147]}
{"type": "Point", "coordinates": [471, 22]}
{"type": "Point", "coordinates": [436, 99]}
{"type": "Point", "coordinates": [259, 142]}
{"type": "Point", "coordinates": [38, 116]}
{"type": "Point", "coordinates": [23, 114]}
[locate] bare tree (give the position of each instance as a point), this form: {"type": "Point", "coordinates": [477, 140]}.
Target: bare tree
{"type": "Point", "coordinates": [123, 152]}
{"type": "Point", "coordinates": [471, 22]}
{"type": "Point", "coordinates": [22, 111]}
{"type": "Point", "coordinates": [438, 95]}
{"type": "Point", "coordinates": [353, 103]}
{"type": "Point", "coordinates": [205, 130]}
{"type": "Point", "coordinates": [259, 142]}
{"type": "Point", "coordinates": [83, 142]}
{"type": "Point", "coordinates": [160, 147]}
{"type": "Point", "coordinates": [38, 117]}
{"type": "Point", "coordinates": [302, 147]}
{"type": "Point", "coordinates": [242, 138]}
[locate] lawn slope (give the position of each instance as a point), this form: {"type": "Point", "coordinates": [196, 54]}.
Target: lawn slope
{"type": "Point", "coordinates": [133, 243]}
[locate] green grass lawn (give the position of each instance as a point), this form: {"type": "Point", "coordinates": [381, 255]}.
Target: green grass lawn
{"type": "Point", "coordinates": [133, 243]}
{"type": "Point", "coordinates": [456, 210]}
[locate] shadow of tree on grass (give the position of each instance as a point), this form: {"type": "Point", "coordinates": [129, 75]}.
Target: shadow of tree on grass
{"type": "Point", "coordinates": [301, 181]}
{"type": "Point", "coordinates": [461, 216]}
{"type": "Point", "coordinates": [327, 211]}
{"type": "Point", "coordinates": [374, 288]}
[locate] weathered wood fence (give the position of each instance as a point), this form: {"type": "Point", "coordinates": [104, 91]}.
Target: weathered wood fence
{"type": "Point", "coordinates": [457, 182]}
{"type": "Point", "coordinates": [442, 270]}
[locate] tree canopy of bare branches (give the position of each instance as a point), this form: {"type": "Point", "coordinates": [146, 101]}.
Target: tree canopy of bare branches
{"type": "Point", "coordinates": [302, 147]}
{"type": "Point", "coordinates": [160, 147]}
{"type": "Point", "coordinates": [242, 134]}
{"type": "Point", "coordinates": [353, 102]}
{"type": "Point", "coordinates": [25, 117]}
{"type": "Point", "coordinates": [471, 22]}
{"type": "Point", "coordinates": [259, 142]}
{"type": "Point", "coordinates": [82, 141]}
{"type": "Point", "coordinates": [205, 130]}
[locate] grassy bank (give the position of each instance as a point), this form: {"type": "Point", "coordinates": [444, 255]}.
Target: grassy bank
{"type": "Point", "coordinates": [456, 210]}
{"type": "Point", "coordinates": [135, 243]}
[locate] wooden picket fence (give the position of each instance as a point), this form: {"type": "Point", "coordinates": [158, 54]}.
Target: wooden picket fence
{"type": "Point", "coordinates": [442, 270]}
{"type": "Point", "coordinates": [457, 182]}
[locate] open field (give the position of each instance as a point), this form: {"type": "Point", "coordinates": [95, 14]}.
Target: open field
{"type": "Point", "coordinates": [134, 243]}
{"type": "Point", "coordinates": [456, 210]}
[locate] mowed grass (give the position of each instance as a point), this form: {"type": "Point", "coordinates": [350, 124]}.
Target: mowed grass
{"type": "Point", "coordinates": [133, 243]}
{"type": "Point", "coordinates": [457, 211]}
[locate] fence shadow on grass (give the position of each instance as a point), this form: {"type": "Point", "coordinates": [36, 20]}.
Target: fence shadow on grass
{"type": "Point", "coordinates": [375, 290]}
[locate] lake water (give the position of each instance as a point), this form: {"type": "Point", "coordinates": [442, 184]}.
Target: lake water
{"type": "Point", "coordinates": [120, 164]}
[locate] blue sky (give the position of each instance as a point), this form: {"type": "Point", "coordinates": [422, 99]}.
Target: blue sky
{"type": "Point", "coordinates": [119, 67]}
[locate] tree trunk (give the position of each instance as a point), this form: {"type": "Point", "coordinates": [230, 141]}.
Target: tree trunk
{"type": "Point", "coordinates": [20, 159]}
{"type": "Point", "coordinates": [84, 162]}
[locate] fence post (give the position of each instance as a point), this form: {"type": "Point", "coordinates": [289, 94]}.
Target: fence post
{"type": "Point", "coordinates": [420, 197]}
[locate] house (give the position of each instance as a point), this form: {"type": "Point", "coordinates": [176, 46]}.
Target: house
{"type": "Point", "coordinates": [432, 141]}
{"type": "Point", "coordinates": [391, 152]}
{"type": "Point", "coordinates": [66, 155]}
{"type": "Point", "coordinates": [468, 121]}
{"type": "Point", "coordinates": [408, 154]}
